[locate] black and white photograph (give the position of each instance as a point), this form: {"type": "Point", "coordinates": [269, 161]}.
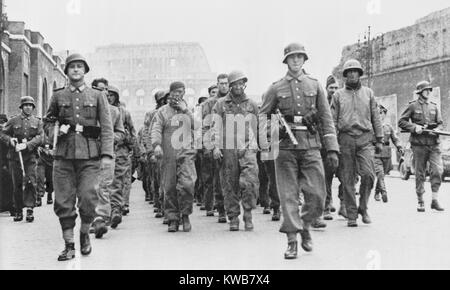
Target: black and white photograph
{"type": "Point", "coordinates": [224, 140]}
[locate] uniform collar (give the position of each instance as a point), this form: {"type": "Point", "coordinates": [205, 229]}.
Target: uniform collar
{"type": "Point", "coordinates": [79, 89]}
{"type": "Point", "coordinates": [423, 101]}
{"type": "Point", "coordinates": [229, 98]}
{"type": "Point", "coordinates": [23, 116]}
{"type": "Point", "coordinates": [290, 77]}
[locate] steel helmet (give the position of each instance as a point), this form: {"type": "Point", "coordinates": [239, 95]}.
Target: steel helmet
{"type": "Point", "coordinates": [27, 100]}
{"type": "Point", "coordinates": [352, 64]}
{"type": "Point", "coordinates": [235, 76]}
{"type": "Point", "coordinates": [422, 86]}
{"type": "Point", "coordinates": [76, 57]}
{"type": "Point", "coordinates": [294, 48]}
{"type": "Point", "coordinates": [114, 89]}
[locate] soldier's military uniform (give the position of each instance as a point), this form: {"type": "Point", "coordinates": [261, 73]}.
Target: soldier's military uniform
{"type": "Point", "coordinates": [108, 198]}
{"type": "Point", "coordinates": [85, 113]}
{"type": "Point", "coordinates": [239, 168]}
{"type": "Point", "coordinates": [6, 195]}
{"type": "Point", "coordinates": [212, 186]}
{"type": "Point", "coordinates": [268, 192]}
{"type": "Point", "coordinates": [357, 120]}
{"type": "Point", "coordinates": [383, 160]}
{"type": "Point", "coordinates": [178, 164]}
{"type": "Point", "coordinates": [130, 151]}
{"type": "Point", "coordinates": [426, 147]}
{"type": "Point", "coordinates": [300, 167]}
{"type": "Point", "coordinates": [45, 171]}
{"type": "Point", "coordinates": [29, 130]}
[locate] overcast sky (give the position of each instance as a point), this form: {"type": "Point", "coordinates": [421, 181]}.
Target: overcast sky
{"type": "Point", "coordinates": [236, 34]}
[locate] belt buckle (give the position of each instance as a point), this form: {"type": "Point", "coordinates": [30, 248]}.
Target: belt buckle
{"type": "Point", "coordinates": [298, 120]}
{"type": "Point", "coordinates": [78, 128]}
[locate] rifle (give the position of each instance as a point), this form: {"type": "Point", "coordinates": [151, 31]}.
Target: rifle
{"type": "Point", "coordinates": [286, 126]}
{"type": "Point", "coordinates": [435, 132]}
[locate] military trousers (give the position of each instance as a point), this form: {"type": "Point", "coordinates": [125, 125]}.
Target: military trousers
{"type": "Point", "coordinates": [122, 169]}
{"type": "Point", "coordinates": [75, 180]}
{"type": "Point", "coordinates": [329, 176]}
{"type": "Point", "coordinates": [127, 183]}
{"type": "Point", "coordinates": [422, 155]}
{"type": "Point", "coordinates": [380, 173]}
{"type": "Point", "coordinates": [105, 195]}
{"type": "Point", "coordinates": [239, 179]}
{"type": "Point", "coordinates": [300, 171]}
{"type": "Point", "coordinates": [25, 188]}
{"type": "Point", "coordinates": [179, 184]}
{"type": "Point", "coordinates": [155, 183]}
{"type": "Point", "coordinates": [44, 172]}
{"type": "Point", "coordinates": [209, 176]}
{"type": "Point", "coordinates": [268, 192]}
{"type": "Point", "coordinates": [357, 159]}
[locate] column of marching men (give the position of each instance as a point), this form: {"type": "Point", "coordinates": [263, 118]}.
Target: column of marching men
{"type": "Point", "coordinates": [86, 150]}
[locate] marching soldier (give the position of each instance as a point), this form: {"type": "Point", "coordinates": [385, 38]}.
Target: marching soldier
{"type": "Point", "coordinates": [301, 100]}
{"type": "Point", "coordinates": [239, 168]}
{"type": "Point", "coordinates": [122, 166]}
{"type": "Point", "coordinates": [6, 195]}
{"type": "Point", "coordinates": [85, 142]}
{"type": "Point", "coordinates": [133, 151]}
{"type": "Point", "coordinates": [24, 134]}
{"type": "Point", "coordinates": [178, 164]}
{"type": "Point", "coordinates": [107, 198]}
{"type": "Point", "coordinates": [423, 114]}
{"type": "Point", "coordinates": [45, 171]}
{"type": "Point", "coordinates": [383, 161]}
{"type": "Point", "coordinates": [357, 119]}
{"type": "Point", "coordinates": [210, 167]}
{"type": "Point", "coordinates": [331, 87]}
{"type": "Point", "coordinates": [154, 165]}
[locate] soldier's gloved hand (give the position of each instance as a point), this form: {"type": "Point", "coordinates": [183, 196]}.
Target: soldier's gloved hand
{"type": "Point", "coordinates": [217, 154]}
{"type": "Point", "coordinates": [21, 147]}
{"type": "Point", "coordinates": [400, 150]}
{"type": "Point", "coordinates": [64, 129]}
{"type": "Point", "coordinates": [158, 152]}
{"type": "Point", "coordinates": [333, 160]}
{"type": "Point", "coordinates": [418, 129]}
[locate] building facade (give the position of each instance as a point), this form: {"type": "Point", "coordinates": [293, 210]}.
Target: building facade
{"type": "Point", "coordinates": [399, 59]}
{"type": "Point", "coordinates": [29, 68]}
{"type": "Point", "coordinates": [141, 70]}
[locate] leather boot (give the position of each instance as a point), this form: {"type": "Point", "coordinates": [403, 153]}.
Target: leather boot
{"type": "Point", "coordinates": [38, 201]}
{"type": "Point", "coordinates": [187, 227]}
{"type": "Point", "coordinates": [352, 224]}
{"type": "Point", "coordinates": [292, 251]}
{"type": "Point", "coordinates": [30, 215]}
{"type": "Point", "coordinates": [248, 221]}
{"type": "Point", "coordinates": [267, 210]}
{"type": "Point", "coordinates": [435, 205]}
{"type": "Point", "coordinates": [307, 244]}
{"type": "Point", "coordinates": [19, 216]}
{"type": "Point", "coordinates": [49, 198]}
{"type": "Point", "coordinates": [68, 253]}
{"type": "Point", "coordinates": [100, 228]}
{"type": "Point", "coordinates": [234, 224]}
{"type": "Point", "coordinates": [222, 217]}
{"type": "Point", "coordinates": [125, 210]}
{"type": "Point", "coordinates": [173, 226]}
{"type": "Point", "coordinates": [365, 216]}
{"type": "Point", "coordinates": [318, 224]}
{"type": "Point", "coordinates": [327, 216]}
{"type": "Point", "coordinates": [116, 218]}
{"type": "Point", "coordinates": [384, 197]}
{"type": "Point", "coordinates": [276, 215]}
{"type": "Point", "coordinates": [421, 207]}
{"type": "Point", "coordinates": [85, 244]}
